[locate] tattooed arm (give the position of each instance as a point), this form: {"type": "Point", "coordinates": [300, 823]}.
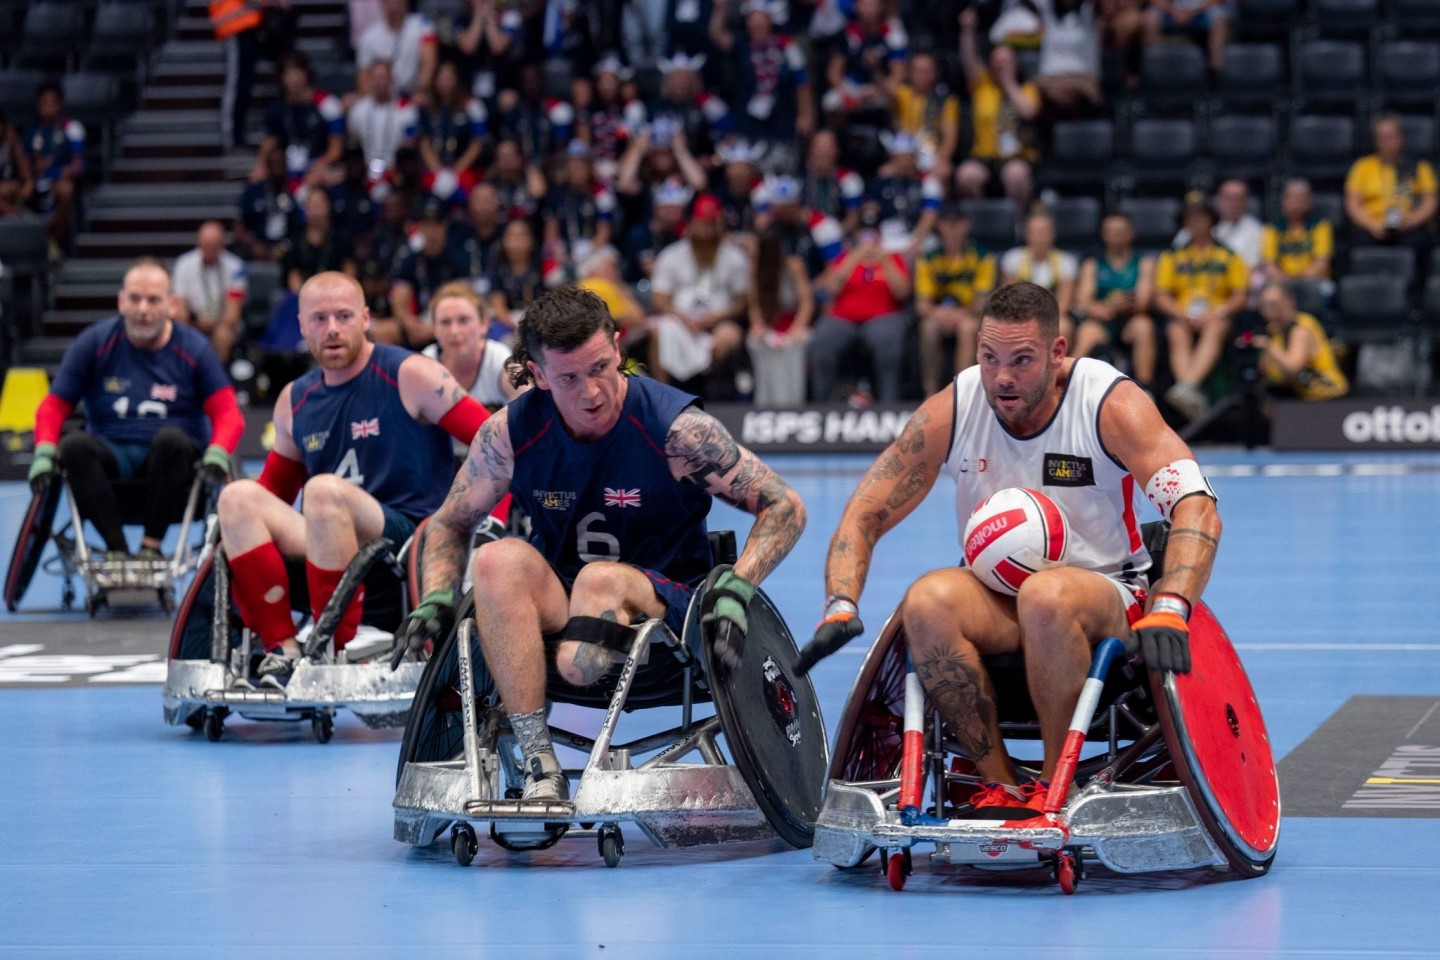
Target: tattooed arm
{"type": "Point", "coordinates": [701, 451]}
{"type": "Point", "coordinates": [1131, 428]}
{"type": "Point", "coordinates": [427, 389]}
{"type": "Point", "coordinates": [892, 487]}
{"type": "Point", "coordinates": [481, 483]}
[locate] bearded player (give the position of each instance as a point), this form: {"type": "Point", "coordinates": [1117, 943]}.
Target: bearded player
{"type": "Point", "coordinates": [1085, 435]}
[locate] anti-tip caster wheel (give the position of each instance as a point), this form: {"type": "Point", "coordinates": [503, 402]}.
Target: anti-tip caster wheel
{"type": "Point", "coordinates": [1069, 871]}
{"type": "Point", "coordinates": [67, 599]}
{"type": "Point", "coordinates": [214, 726]}
{"type": "Point", "coordinates": [323, 726]}
{"type": "Point", "coordinates": [612, 844]}
{"type": "Point", "coordinates": [463, 843]}
{"type": "Point", "coordinates": [898, 867]}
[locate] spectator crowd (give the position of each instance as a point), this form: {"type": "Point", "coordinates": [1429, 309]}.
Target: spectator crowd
{"type": "Point", "coordinates": [774, 198]}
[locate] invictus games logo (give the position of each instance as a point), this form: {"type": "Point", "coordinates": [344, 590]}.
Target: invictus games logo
{"type": "Point", "coordinates": [116, 385]}
{"type": "Point", "coordinates": [315, 441]}
{"type": "Point", "coordinates": [1063, 470]}
{"type": "Point", "coordinates": [554, 499]}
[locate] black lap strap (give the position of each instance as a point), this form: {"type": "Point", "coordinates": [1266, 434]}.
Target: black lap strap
{"type": "Point", "coordinates": [608, 633]}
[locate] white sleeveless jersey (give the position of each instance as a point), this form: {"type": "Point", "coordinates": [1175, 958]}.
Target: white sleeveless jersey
{"type": "Point", "coordinates": [1065, 460]}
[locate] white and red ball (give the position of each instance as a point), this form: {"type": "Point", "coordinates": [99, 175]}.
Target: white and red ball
{"type": "Point", "coordinates": [1013, 534]}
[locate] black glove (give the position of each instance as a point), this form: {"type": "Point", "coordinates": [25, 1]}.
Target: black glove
{"type": "Point", "coordinates": [431, 620]}
{"type": "Point", "coordinates": [215, 466]}
{"type": "Point", "coordinates": [1163, 640]}
{"type": "Point", "coordinates": [42, 468]}
{"type": "Point", "coordinates": [840, 625]}
{"type": "Point", "coordinates": [725, 613]}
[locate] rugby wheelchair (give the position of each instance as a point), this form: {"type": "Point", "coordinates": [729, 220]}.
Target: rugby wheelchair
{"type": "Point", "coordinates": [1178, 775]}
{"type": "Point", "coordinates": [211, 652]}
{"type": "Point", "coordinates": [101, 577]}
{"type": "Point", "coordinates": [460, 765]}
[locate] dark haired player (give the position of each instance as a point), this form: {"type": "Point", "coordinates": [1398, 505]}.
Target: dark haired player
{"type": "Point", "coordinates": [370, 428]}
{"type": "Point", "coordinates": [148, 385]}
{"type": "Point", "coordinates": [617, 474]}
{"type": "Point", "coordinates": [1085, 435]}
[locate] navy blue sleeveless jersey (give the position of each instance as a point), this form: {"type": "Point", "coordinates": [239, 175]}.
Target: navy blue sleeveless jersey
{"type": "Point", "coordinates": [615, 498]}
{"type": "Point", "coordinates": [129, 393]}
{"type": "Point", "coordinates": [361, 432]}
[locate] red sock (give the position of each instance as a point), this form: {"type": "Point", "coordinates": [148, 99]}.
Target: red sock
{"type": "Point", "coordinates": [322, 587]}
{"type": "Point", "coordinates": [261, 589]}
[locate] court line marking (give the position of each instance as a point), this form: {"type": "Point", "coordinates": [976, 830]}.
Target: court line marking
{"type": "Point", "coordinates": [1393, 647]}
{"type": "Point", "coordinates": [1427, 716]}
{"type": "Point", "coordinates": [1385, 780]}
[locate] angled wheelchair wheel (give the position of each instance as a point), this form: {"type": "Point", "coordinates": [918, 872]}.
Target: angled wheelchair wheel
{"type": "Point", "coordinates": [35, 531]}
{"type": "Point", "coordinates": [1220, 748]}
{"type": "Point", "coordinates": [435, 729]}
{"type": "Point", "coordinates": [193, 631]}
{"type": "Point", "coordinates": [868, 740]}
{"type": "Point", "coordinates": [771, 720]}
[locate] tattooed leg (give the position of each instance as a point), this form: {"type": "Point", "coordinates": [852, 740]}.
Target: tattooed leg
{"type": "Point", "coordinates": [961, 690]}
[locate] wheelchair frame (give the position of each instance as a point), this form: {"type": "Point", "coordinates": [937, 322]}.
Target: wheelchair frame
{"type": "Point", "coordinates": [1127, 813]}
{"type": "Point", "coordinates": [202, 693]}
{"type": "Point", "coordinates": [674, 803]}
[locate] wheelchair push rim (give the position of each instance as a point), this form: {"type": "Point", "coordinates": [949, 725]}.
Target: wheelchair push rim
{"type": "Point", "coordinates": [35, 532]}
{"type": "Point", "coordinates": [1221, 749]}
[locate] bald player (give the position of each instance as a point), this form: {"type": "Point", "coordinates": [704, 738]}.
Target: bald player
{"type": "Point", "coordinates": [367, 435]}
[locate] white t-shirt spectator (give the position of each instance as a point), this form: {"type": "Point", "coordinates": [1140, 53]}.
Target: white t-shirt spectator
{"type": "Point", "coordinates": [205, 288]}
{"type": "Point", "coordinates": [382, 128]}
{"type": "Point", "coordinates": [1046, 272]}
{"type": "Point", "coordinates": [486, 390]}
{"type": "Point", "coordinates": [695, 291]}
{"type": "Point", "coordinates": [1071, 43]}
{"type": "Point", "coordinates": [402, 49]}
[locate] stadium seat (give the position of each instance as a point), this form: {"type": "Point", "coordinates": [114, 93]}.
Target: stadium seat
{"type": "Point", "coordinates": [1430, 305]}
{"type": "Point", "coordinates": [1329, 206]}
{"type": "Point", "coordinates": [264, 281]}
{"type": "Point", "coordinates": [53, 33]}
{"type": "Point", "coordinates": [1414, 18]}
{"type": "Point", "coordinates": [1407, 75]}
{"type": "Point", "coordinates": [992, 223]}
{"type": "Point", "coordinates": [93, 98]}
{"type": "Point", "coordinates": [1173, 78]}
{"type": "Point", "coordinates": [1321, 149]}
{"type": "Point", "coordinates": [1242, 147]}
{"type": "Point", "coordinates": [1376, 260]}
{"type": "Point", "coordinates": [1077, 224]}
{"type": "Point", "coordinates": [1266, 19]}
{"type": "Point", "coordinates": [1080, 155]}
{"type": "Point", "coordinates": [121, 36]}
{"type": "Point", "coordinates": [1156, 220]}
{"type": "Point", "coordinates": [1344, 18]}
{"type": "Point", "coordinates": [17, 95]}
{"type": "Point", "coordinates": [24, 250]}
{"type": "Point", "coordinates": [1372, 307]}
{"type": "Point", "coordinates": [1252, 78]}
{"type": "Point", "coordinates": [1330, 77]}
{"type": "Point", "coordinates": [1161, 155]}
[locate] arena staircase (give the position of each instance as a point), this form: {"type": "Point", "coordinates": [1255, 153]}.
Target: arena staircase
{"type": "Point", "coordinates": [170, 170]}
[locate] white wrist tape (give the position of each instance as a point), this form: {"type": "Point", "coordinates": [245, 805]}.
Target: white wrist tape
{"type": "Point", "coordinates": [1174, 482]}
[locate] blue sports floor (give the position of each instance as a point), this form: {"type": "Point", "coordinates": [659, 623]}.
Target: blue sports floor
{"type": "Point", "coordinates": [123, 837]}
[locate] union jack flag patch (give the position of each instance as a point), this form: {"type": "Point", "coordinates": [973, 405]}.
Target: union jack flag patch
{"type": "Point", "coordinates": [163, 391]}
{"type": "Point", "coordinates": [622, 498]}
{"type": "Point", "coordinates": [365, 428]}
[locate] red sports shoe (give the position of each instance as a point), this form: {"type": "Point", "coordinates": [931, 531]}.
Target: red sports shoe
{"type": "Point", "coordinates": [1001, 801]}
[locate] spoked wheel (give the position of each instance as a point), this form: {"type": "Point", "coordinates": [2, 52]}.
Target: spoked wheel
{"type": "Point", "coordinates": [868, 741]}
{"type": "Point", "coordinates": [30, 545]}
{"type": "Point", "coordinates": [463, 844]}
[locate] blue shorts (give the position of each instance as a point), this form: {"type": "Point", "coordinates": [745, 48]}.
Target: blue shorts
{"type": "Point", "coordinates": [398, 527]}
{"type": "Point", "coordinates": [130, 456]}
{"type": "Point", "coordinates": [674, 595]}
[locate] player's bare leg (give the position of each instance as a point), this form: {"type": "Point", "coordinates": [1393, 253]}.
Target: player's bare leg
{"type": "Point", "coordinates": [259, 531]}
{"type": "Point", "coordinates": [610, 591]}
{"type": "Point", "coordinates": [951, 621]}
{"type": "Point", "coordinates": [1062, 613]}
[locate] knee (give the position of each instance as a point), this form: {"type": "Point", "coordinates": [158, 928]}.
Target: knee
{"type": "Point", "coordinates": [172, 443]}
{"type": "Point", "coordinates": [931, 601]}
{"type": "Point", "coordinates": [503, 567]}
{"type": "Point", "coordinates": [1140, 327]}
{"type": "Point", "coordinates": [75, 448]}
{"type": "Point", "coordinates": [602, 585]}
{"type": "Point", "coordinates": [1045, 605]}
{"type": "Point", "coordinates": [326, 494]}
{"type": "Point", "coordinates": [239, 498]}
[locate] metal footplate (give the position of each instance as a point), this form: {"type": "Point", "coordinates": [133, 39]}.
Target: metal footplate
{"type": "Point", "coordinates": [1129, 829]}
{"type": "Point", "coordinates": [377, 695]}
{"type": "Point", "coordinates": [130, 573]}
{"type": "Point", "coordinates": [546, 810]}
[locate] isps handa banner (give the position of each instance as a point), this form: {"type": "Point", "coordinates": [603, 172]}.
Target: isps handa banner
{"type": "Point", "coordinates": [818, 429]}
{"type": "Point", "coordinates": [1357, 425]}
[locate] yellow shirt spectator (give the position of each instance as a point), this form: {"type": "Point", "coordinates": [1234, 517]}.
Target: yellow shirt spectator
{"type": "Point", "coordinates": [1294, 249]}
{"type": "Point", "coordinates": [1201, 278]}
{"type": "Point", "coordinates": [925, 117]}
{"type": "Point", "coordinates": [1000, 133]}
{"type": "Point", "coordinates": [961, 280]}
{"type": "Point", "coordinates": [1322, 378]}
{"type": "Point", "coordinates": [1382, 187]}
